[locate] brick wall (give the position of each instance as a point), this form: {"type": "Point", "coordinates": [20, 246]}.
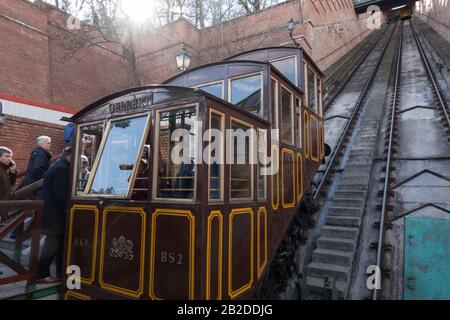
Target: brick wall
{"type": "Point", "coordinates": [35, 65]}
{"type": "Point", "coordinates": [24, 59]}
{"type": "Point", "coordinates": [19, 134]}
{"type": "Point", "coordinates": [328, 31]}
{"type": "Point", "coordinates": [436, 13]}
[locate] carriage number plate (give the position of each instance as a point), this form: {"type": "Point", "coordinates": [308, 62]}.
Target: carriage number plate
{"type": "Point", "coordinates": [171, 257]}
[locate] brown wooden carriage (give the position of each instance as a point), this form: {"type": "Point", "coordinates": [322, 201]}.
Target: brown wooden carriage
{"type": "Point", "coordinates": [141, 226]}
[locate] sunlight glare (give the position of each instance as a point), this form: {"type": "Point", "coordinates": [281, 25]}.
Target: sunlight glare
{"type": "Point", "coordinates": [140, 10]}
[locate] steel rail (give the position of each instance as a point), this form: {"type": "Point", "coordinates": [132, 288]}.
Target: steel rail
{"type": "Point", "coordinates": [332, 78]}
{"type": "Point", "coordinates": [389, 158]}
{"type": "Point", "coordinates": [355, 111]}
{"type": "Point", "coordinates": [352, 72]}
{"type": "Point", "coordinates": [431, 78]}
{"type": "Point", "coordinates": [430, 73]}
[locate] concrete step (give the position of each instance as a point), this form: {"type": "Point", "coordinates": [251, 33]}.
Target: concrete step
{"type": "Point", "coordinates": [356, 169]}
{"type": "Point", "coordinates": [366, 137]}
{"type": "Point", "coordinates": [320, 270]}
{"type": "Point", "coordinates": [365, 152]}
{"type": "Point", "coordinates": [338, 257]}
{"type": "Point", "coordinates": [343, 221]}
{"type": "Point", "coordinates": [360, 160]}
{"type": "Point", "coordinates": [347, 179]}
{"type": "Point", "coordinates": [339, 232]}
{"type": "Point", "coordinates": [348, 202]}
{"type": "Point", "coordinates": [335, 243]}
{"type": "Point", "coordinates": [346, 211]}
{"type": "Point", "coordinates": [353, 186]}
{"type": "Point", "coordinates": [316, 284]}
{"type": "Point", "coordinates": [342, 193]}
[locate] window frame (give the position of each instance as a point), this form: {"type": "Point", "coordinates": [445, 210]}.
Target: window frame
{"type": "Point", "coordinates": [315, 89]}
{"type": "Point", "coordinates": [156, 155]}
{"type": "Point", "coordinates": [248, 75]}
{"type": "Point", "coordinates": [292, 143]}
{"type": "Point", "coordinates": [75, 193]}
{"type": "Point", "coordinates": [222, 82]}
{"type": "Point", "coordinates": [264, 198]}
{"type": "Point", "coordinates": [295, 66]}
{"type": "Point", "coordinates": [319, 96]}
{"type": "Point", "coordinates": [275, 111]}
{"type": "Point", "coordinates": [222, 166]}
{"type": "Point", "coordinates": [100, 153]}
{"type": "Point", "coordinates": [252, 196]}
{"type": "Point", "coordinates": [299, 120]}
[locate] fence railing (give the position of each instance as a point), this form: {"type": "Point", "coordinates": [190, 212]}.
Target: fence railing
{"type": "Point", "coordinates": [22, 207]}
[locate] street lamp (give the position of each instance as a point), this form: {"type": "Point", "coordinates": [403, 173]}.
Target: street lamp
{"type": "Point", "coordinates": [291, 25]}
{"type": "Point", "coordinates": [2, 116]}
{"type": "Point", "coordinates": [183, 59]}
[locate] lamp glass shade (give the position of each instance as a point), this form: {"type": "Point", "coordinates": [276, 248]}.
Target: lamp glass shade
{"type": "Point", "coordinates": [291, 24]}
{"type": "Point", "coordinates": [183, 59]}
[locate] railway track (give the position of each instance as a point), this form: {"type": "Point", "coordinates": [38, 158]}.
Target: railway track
{"type": "Point", "coordinates": [342, 114]}
{"type": "Point", "coordinates": [336, 242]}
{"type": "Point", "coordinates": [417, 158]}
{"type": "Point", "coordinates": [335, 83]}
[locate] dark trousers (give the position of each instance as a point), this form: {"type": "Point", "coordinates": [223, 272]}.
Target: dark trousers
{"type": "Point", "coordinates": [53, 249]}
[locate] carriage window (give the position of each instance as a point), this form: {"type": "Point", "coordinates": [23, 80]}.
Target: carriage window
{"type": "Point", "coordinates": [312, 103]}
{"type": "Point", "coordinates": [216, 167]}
{"type": "Point", "coordinates": [240, 169]}
{"type": "Point", "coordinates": [176, 168]}
{"type": "Point", "coordinates": [287, 117]}
{"type": "Point", "coordinates": [262, 151]}
{"type": "Point", "coordinates": [274, 94]}
{"type": "Point", "coordinates": [246, 93]}
{"type": "Point", "coordinates": [298, 117]}
{"type": "Point", "coordinates": [119, 155]}
{"type": "Point", "coordinates": [89, 143]}
{"type": "Point", "coordinates": [215, 89]}
{"type": "Point", "coordinates": [287, 68]}
{"type": "Point", "coordinates": [141, 183]}
{"type": "Point", "coordinates": [319, 95]}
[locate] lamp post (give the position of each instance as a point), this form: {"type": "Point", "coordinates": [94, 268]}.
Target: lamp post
{"type": "Point", "coordinates": [291, 25]}
{"type": "Point", "coordinates": [183, 59]}
{"type": "Point", "coordinates": [2, 116]}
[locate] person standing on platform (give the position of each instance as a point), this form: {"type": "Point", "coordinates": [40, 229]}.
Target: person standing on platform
{"type": "Point", "coordinates": [55, 194]}
{"type": "Point", "coordinates": [39, 163]}
{"type": "Point", "coordinates": [8, 173]}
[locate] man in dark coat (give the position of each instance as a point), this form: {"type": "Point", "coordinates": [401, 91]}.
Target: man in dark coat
{"type": "Point", "coordinates": [39, 162]}
{"type": "Point", "coordinates": [8, 176]}
{"type": "Point", "coordinates": [7, 173]}
{"type": "Point", "coordinates": [55, 189]}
